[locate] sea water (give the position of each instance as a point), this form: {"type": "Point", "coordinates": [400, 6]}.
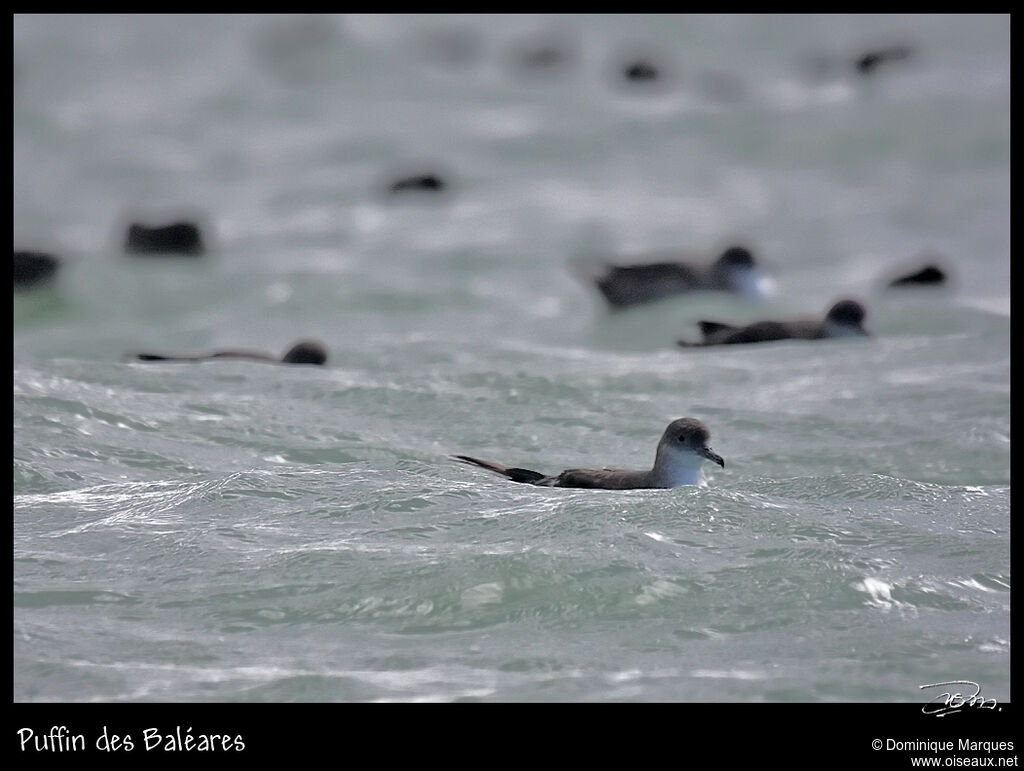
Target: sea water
{"type": "Point", "coordinates": [247, 532]}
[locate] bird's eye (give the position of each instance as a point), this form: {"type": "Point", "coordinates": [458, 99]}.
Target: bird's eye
{"type": "Point", "coordinates": [682, 439]}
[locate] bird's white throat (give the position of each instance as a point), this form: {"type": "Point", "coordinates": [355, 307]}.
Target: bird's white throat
{"type": "Point", "coordinates": [681, 467]}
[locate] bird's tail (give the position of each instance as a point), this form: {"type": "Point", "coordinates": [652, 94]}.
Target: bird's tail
{"type": "Point", "coordinates": [509, 472]}
{"type": "Point", "coordinates": [707, 329]}
{"type": "Point", "coordinates": [160, 357]}
{"type": "Point", "coordinates": [711, 327]}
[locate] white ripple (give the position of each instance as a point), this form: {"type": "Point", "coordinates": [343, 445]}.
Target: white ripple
{"type": "Point", "coordinates": [483, 594]}
{"type": "Point", "coordinates": [729, 674]}
{"type": "Point", "coordinates": [879, 593]}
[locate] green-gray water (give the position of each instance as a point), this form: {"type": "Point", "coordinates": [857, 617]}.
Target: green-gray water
{"type": "Point", "coordinates": [234, 531]}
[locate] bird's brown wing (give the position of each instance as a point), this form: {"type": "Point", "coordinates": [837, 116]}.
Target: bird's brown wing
{"type": "Point", "coordinates": [630, 284]}
{"type": "Point", "coordinates": [604, 479]}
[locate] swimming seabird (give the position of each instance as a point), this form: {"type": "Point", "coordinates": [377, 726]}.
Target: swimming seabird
{"type": "Point", "coordinates": [682, 450]}
{"type": "Point", "coordinates": [34, 268]}
{"type": "Point", "coordinates": [303, 352]}
{"type": "Point", "coordinates": [640, 69]}
{"type": "Point", "coordinates": [735, 270]}
{"type": "Point", "coordinates": [929, 275]}
{"type": "Point", "coordinates": [176, 237]}
{"type": "Point", "coordinates": [430, 183]}
{"type": "Point", "coordinates": [869, 60]}
{"type": "Point", "coordinates": [844, 319]}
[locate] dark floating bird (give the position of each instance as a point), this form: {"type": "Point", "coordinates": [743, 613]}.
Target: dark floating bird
{"type": "Point", "coordinates": [174, 238]}
{"type": "Point", "coordinates": [429, 183]}
{"type": "Point", "coordinates": [869, 61]}
{"type": "Point", "coordinates": [303, 352]}
{"type": "Point", "coordinates": [735, 270]}
{"type": "Point", "coordinates": [929, 275]}
{"type": "Point", "coordinates": [641, 70]}
{"type": "Point", "coordinates": [679, 460]}
{"type": "Point", "coordinates": [844, 319]}
{"type": "Point", "coordinates": [32, 269]}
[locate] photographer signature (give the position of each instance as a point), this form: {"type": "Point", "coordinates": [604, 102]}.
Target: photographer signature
{"type": "Point", "coordinates": [949, 703]}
